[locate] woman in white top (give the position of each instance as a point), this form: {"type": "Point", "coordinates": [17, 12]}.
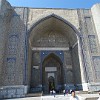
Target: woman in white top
{"type": "Point", "coordinates": [73, 96]}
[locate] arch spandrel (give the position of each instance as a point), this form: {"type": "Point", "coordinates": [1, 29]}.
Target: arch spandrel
{"type": "Point", "coordinates": [46, 16]}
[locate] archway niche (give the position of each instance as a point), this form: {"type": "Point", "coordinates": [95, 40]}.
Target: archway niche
{"type": "Point", "coordinates": [53, 34]}
{"type": "Point", "coordinates": [52, 67]}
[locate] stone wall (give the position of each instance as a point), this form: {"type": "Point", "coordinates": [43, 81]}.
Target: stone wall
{"type": "Point", "coordinates": [13, 91]}
{"type": "Point", "coordinates": [76, 65]}
{"type": "Point", "coordinates": [68, 14]}
{"type": "Point", "coordinates": [89, 42]}
{"type": "Point", "coordinates": [13, 64]}
{"type": "Point", "coordinates": [15, 52]}
{"type": "Point", "coordinates": [35, 69]}
{"type": "Point", "coordinates": [96, 18]}
{"type": "Point", "coordinates": [68, 68]}
{"type": "Point", "coordinates": [21, 30]}
{"type": "Point", "coordinates": [5, 17]}
{"type": "Point", "coordinates": [12, 56]}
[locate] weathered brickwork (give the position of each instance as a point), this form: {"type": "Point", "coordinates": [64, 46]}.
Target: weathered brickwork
{"type": "Point", "coordinates": [35, 81]}
{"type": "Point", "coordinates": [96, 62]}
{"type": "Point", "coordinates": [65, 36]}
{"type": "Point", "coordinates": [5, 16]}
{"type": "Point", "coordinates": [51, 40]}
{"type": "Point", "coordinates": [37, 14]}
{"type": "Point", "coordinates": [68, 67]}
{"type": "Point", "coordinates": [92, 44]}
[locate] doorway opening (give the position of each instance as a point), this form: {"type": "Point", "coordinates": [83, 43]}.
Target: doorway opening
{"type": "Point", "coordinates": [52, 73]}
{"type": "Point", "coordinates": [51, 81]}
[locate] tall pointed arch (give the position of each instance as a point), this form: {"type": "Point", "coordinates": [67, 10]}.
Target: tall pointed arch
{"type": "Point", "coordinates": [52, 66]}
{"type": "Point", "coordinates": [53, 33]}
{"type": "Point", "coordinates": [55, 16]}
{"type": "Point", "coordinates": [53, 23]}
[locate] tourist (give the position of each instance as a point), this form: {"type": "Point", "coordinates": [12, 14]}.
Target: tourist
{"type": "Point", "coordinates": [67, 91]}
{"type": "Point", "coordinates": [73, 96]}
{"type": "Point", "coordinates": [54, 92]}
{"type": "Point", "coordinates": [64, 92]}
{"type": "Point", "coordinates": [99, 96]}
{"type": "Point", "coordinates": [50, 92]}
{"type": "Point", "coordinates": [70, 91]}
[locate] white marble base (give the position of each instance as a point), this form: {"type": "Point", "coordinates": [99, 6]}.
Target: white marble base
{"type": "Point", "coordinates": [85, 86]}
{"type": "Point", "coordinates": [13, 91]}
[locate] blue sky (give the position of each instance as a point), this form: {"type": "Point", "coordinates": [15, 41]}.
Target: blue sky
{"type": "Point", "coordinates": [54, 3]}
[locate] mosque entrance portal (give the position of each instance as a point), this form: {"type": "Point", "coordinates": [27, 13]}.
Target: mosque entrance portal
{"type": "Point", "coordinates": [49, 39]}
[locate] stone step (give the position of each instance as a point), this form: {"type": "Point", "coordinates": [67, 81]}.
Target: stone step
{"type": "Point", "coordinates": [59, 97]}
{"type": "Point", "coordinates": [34, 95]}
{"type": "Point", "coordinates": [85, 92]}
{"type": "Point", "coordinates": [93, 98]}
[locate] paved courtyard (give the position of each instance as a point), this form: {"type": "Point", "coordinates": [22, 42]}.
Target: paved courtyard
{"type": "Point", "coordinates": [60, 97]}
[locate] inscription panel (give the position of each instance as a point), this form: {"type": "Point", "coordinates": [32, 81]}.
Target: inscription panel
{"type": "Point", "coordinates": [89, 25]}
{"type": "Point", "coordinates": [52, 39]}
{"type": "Point", "coordinates": [96, 62]}
{"type": "Point", "coordinates": [13, 43]}
{"type": "Point", "coordinates": [11, 63]}
{"type": "Point", "coordinates": [92, 43]}
{"type": "Point", "coordinates": [50, 69]}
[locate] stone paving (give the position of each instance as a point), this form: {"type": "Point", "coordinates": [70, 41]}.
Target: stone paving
{"type": "Point", "coordinates": [60, 97]}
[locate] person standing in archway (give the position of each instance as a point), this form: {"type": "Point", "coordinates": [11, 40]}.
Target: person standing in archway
{"type": "Point", "coordinates": [64, 92]}
{"type": "Point", "coordinates": [54, 92]}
